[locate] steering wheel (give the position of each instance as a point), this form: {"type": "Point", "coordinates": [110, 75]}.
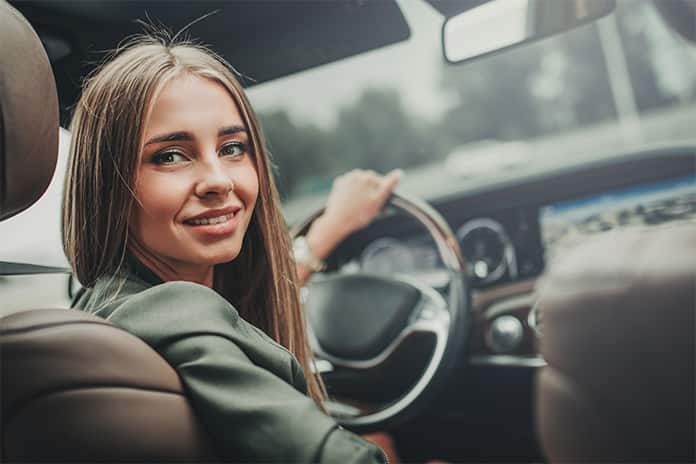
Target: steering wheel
{"type": "Point", "coordinates": [360, 322]}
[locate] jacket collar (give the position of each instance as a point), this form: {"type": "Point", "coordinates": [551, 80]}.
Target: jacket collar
{"type": "Point", "coordinates": [140, 271]}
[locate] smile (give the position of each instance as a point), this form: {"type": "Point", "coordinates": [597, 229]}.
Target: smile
{"type": "Point", "coordinates": [213, 220]}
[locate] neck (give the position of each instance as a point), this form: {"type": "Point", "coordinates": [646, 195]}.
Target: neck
{"type": "Point", "coordinates": [168, 271]}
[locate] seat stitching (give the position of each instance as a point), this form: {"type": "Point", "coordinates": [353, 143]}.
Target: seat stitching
{"type": "Point", "coordinates": [14, 410]}
{"type": "Point", "coordinates": [49, 325]}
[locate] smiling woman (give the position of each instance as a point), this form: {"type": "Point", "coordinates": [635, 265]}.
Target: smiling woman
{"type": "Point", "coordinates": [171, 219]}
{"type": "Point", "coordinates": [196, 182]}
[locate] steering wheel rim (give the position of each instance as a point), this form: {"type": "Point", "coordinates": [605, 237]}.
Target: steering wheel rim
{"type": "Point", "coordinates": [448, 318]}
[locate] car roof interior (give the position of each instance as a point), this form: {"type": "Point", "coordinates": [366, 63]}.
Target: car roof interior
{"type": "Point", "coordinates": [305, 33]}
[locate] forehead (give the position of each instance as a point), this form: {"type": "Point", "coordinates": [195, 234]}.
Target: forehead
{"type": "Point", "coordinates": [192, 103]}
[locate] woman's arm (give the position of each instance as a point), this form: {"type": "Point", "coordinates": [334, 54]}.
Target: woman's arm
{"type": "Point", "coordinates": [355, 199]}
{"type": "Point", "coordinates": [247, 391]}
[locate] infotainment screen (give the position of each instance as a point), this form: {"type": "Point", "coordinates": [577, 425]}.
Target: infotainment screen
{"type": "Point", "coordinates": [570, 221]}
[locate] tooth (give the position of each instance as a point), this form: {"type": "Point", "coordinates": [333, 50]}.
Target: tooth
{"type": "Point", "coordinates": [215, 220]}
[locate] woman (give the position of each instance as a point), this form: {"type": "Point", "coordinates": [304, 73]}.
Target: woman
{"type": "Point", "coordinates": [172, 221]}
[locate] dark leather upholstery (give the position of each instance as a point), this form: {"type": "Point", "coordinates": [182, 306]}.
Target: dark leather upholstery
{"type": "Point", "coordinates": [617, 316]}
{"type": "Point", "coordinates": [72, 387]}
{"type": "Point", "coordinates": [75, 388]}
{"type": "Point", "coordinates": [28, 115]}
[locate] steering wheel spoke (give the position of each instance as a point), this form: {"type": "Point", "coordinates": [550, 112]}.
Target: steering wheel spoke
{"type": "Point", "coordinates": [430, 315]}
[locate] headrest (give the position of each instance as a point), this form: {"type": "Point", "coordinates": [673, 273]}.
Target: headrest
{"type": "Point", "coordinates": [617, 315]}
{"type": "Point", "coordinates": [28, 115]}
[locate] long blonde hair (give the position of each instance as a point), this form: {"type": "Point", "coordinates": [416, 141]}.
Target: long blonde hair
{"type": "Point", "coordinates": [107, 132]}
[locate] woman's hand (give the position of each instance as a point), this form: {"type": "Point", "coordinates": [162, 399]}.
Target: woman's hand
{"type": "Point", "coordinates": [355, 199]}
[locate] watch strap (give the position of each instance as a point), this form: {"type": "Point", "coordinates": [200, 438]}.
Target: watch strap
{"type": "Point", "coordinates": [303, 255]}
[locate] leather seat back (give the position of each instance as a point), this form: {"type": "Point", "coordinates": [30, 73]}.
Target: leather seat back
{"type": "Point", "coordinates": [75, 388]}
{"type": "Point", "coordinates": [617, 316]}
{"type": "Point", "coordinates": [72, 387]}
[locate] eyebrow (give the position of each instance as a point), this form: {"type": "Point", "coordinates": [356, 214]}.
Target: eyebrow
{"type": "Point", "coordinates": [183, 135]}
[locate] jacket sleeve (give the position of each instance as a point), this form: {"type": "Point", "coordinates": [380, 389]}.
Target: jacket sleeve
{"type": "Point", "coordinates": [237, 380]}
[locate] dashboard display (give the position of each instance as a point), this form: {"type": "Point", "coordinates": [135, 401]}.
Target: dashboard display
{"type": "Point", "coordinates": [650, 204]}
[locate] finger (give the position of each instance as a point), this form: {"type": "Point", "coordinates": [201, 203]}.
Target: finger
{"type": "Point", "coordinates": [392, 179]}
{"type": "Point", "coordinates": [389, 183]}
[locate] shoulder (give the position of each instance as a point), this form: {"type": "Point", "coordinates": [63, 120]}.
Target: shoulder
{"type": "Point", "coordinates": [186, 314]}
{"type": "Point", "coordinates": [175, 309]}
{"type": "Point", "coordinates": [153, 312]}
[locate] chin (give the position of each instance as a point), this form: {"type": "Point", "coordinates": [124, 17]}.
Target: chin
{"type": "Point", "coordinates": [228, 255]}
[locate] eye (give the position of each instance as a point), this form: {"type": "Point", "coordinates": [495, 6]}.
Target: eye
{"type": "Point", "coordinates": [233, 149]}
{"type": "Point", "coordinates": [168, 157]}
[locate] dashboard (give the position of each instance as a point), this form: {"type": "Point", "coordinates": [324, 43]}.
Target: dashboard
{"type": "Point", "coordinates": [511, 245]}
{"type": "Point", "coordinates": [509, 232]}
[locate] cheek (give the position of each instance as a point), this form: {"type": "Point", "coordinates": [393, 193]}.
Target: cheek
{"type": "Point", "coordinates": [159, 202]}
{"type": "Point", "coordinates": [248, 185]}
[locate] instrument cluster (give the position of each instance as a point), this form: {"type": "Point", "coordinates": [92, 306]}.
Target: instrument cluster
{"type": "Point", "coordinates": [492, 249]}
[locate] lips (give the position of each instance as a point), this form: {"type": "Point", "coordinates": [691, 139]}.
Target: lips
{"type": "Point", "coordinates": [215, 224]}
{"type": "Point", "coordinates": [214, 216]}
{"type": "Point", "coordinates": [207, 221]}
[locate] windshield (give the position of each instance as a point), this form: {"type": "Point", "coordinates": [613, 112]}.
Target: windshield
{"type": "Point", "coordinates": [622, 83]}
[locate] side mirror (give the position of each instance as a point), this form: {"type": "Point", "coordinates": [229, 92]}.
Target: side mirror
{"type": "Point", "coordinates": [501, 24]}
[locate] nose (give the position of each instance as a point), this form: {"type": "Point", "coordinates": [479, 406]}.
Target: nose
{"type": "Point", "coordinates": [214, 180]}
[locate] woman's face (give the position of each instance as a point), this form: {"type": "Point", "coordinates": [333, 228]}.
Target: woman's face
{"type": "Point", "coordinates": [196, 181]}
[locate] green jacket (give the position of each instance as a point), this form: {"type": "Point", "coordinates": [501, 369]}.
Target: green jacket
{"type": "Point", "coordinates": [248, 391]}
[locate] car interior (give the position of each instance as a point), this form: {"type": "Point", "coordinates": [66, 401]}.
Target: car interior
{"type": "Point", "coordinates": [542, 314]}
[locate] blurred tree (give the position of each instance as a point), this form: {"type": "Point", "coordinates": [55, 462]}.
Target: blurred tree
{"type": "Point", "coordinates": [377, 133]}
{"type": "Point", "coordinates": [572, 84]}
{"type": "Point", "coordinates": [374, 132]}
{"type": "Point", "coordinates": [549, 86]}
{"type": "Point", "coordinates": [661, 67]}
{"type": "Point", "coordinates": [492, 98]}
{"type": "Point", "coordinates": [297, 151]}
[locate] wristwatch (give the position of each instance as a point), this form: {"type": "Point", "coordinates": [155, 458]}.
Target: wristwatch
{"type": "Point", "coordinates": [303, 255]}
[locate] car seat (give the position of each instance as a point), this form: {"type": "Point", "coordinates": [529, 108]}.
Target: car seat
{"type": "Point", "coordinates": [618, 337]}
{"type": "Point", "coordinates": [617, 318]}
{"type": "Point", "coordinates": [72, 387]}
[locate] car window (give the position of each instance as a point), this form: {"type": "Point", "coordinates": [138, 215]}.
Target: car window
{"type": "Point", "coordinates": [624, 82]}
{"type": "Point", "coordinates": [34, 236]}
